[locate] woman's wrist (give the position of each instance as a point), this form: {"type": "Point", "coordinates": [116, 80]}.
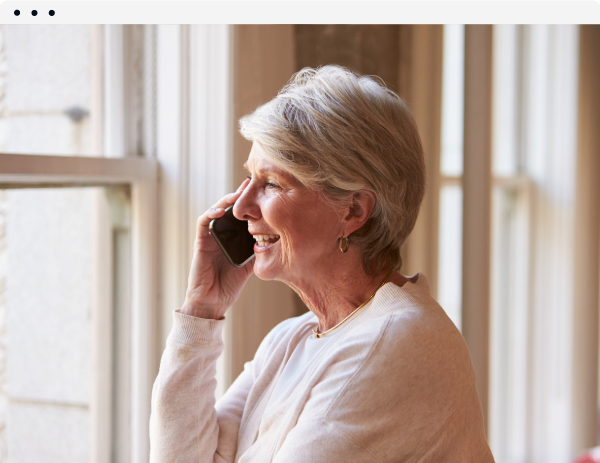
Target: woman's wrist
{"type": "Point", "coordinates": [200, 311]}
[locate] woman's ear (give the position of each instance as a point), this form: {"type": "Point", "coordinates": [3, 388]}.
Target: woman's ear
{"type": "Point", "coordinates": [360, 210]}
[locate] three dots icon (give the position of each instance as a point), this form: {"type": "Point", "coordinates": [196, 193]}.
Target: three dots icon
{"type": "Point", "coordinates": [34, 12]}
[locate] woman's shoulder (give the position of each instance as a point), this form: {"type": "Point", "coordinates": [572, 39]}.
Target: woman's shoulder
{"type": "Point", "coordinates": [406, 365]}
{"type": "Point", "coordinates": [410, 308]}
{"type": "Point", "coordinates": [407, 326]}
{"type": "Point", "coordinates": [414, 295]}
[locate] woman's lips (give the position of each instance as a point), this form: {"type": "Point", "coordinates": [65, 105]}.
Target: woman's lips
{"type": "Point", "coordinates": [258, 248]}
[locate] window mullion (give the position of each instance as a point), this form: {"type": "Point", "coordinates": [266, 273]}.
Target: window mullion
{"type": "Point", "coordinates": [477, 202]}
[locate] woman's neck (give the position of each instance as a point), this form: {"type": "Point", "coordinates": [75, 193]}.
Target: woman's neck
{"type": "Point", "coordinates": [332, 297]}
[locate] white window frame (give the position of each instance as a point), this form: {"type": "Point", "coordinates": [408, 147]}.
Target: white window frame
{"type": "Point", "coordinates": [556, 396]}
{"type": "Point", "coordinates": [192, 71]}
{"type": "Point", "coordinates": [546, 402]}
{"type": "Point", "coordinates": [194, 90]}
{"type": "Point", "coordinates": [17, 171]}
{"type": "Point", "coordinates": [140, 176]}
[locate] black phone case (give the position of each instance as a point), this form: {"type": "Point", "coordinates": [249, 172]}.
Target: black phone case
{"type": "Point", "coordinates": [234, 242]}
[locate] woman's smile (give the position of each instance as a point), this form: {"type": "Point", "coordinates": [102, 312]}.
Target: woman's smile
{"type": "Point", "coordinates": [294, 231]}
{"type": "Point", "coordinates": [264, 242]}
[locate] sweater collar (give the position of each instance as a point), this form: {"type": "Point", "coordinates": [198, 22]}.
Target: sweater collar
{"type": "Point", "coordinates": [415, 292]}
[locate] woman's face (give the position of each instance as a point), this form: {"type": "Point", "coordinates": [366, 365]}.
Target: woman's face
{"type": "Point", "coordinates": [275, 203]}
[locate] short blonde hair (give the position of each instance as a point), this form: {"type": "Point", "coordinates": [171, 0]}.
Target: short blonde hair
{"type": "Point", "coordinates": [338, 132]}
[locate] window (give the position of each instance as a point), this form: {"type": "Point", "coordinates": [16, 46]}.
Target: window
{"type": "Point", "coordinates": [65, 342]}
{"type": "Point", "coordinates": [51, 81]}
{"type": "Point", "coordinates": [77, 308]}
{"type": "Point", "coordinates": [534, 164]}
{"type": "Point", "coordinates": [510, 254]}
{"type": "Point", "coordinates": [451, 166]}
{"type": "Point", "coordinates": [533, 160]}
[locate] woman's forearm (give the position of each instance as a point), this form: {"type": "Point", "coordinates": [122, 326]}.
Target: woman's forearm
{"type": "Point", "coordinates": [183, 422]}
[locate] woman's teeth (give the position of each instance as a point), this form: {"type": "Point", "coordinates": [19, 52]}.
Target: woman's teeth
{"type": "Point", "coordinates": [264, 240]}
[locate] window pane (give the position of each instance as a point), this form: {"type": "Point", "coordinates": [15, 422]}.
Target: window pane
{"type": "Point", "coordinates": [62, 351]}
{"type": "Point", "coordinates": [51, 89]}
{"type": "Point", "coordinates": [450, 252]}
{"type": "Point", "coordinates": [509, 315]}
{"type": "Point", "coordinates": [453, 100]}
{"type": "Point", "coordinates": [505, 100]}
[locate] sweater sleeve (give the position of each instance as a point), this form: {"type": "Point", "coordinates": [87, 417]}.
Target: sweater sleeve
{"type": "Point", "coordinates": [185, 426]}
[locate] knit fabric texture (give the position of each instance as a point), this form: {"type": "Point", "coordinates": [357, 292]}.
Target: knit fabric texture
{"type": "Point", "coordinates": [393, 384]}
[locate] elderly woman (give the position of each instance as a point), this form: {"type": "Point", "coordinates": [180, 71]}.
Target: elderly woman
{"type": "Point", "coordinates": [375, 371]}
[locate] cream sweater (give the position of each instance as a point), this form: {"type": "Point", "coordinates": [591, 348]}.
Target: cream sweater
{"type": "Point", "coordinates": [393, 384]}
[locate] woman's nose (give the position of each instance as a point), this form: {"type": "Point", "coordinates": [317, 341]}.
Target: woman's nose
{"type": "Point", "coordinates": [246, 208]}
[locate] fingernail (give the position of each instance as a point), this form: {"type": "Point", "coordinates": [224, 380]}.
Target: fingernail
{"type": "Point", "coordinates": [218, 209]}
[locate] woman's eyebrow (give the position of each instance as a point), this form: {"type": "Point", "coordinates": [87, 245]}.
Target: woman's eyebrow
{"type": "Point", "coordinates": [267, 170]}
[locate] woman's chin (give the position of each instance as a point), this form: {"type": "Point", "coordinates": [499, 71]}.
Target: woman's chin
{"type": "Point", "coordinates": [263, 270]}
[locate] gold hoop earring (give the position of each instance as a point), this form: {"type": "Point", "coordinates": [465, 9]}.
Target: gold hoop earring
{"type": "Point", "coordinates": [344, 245]}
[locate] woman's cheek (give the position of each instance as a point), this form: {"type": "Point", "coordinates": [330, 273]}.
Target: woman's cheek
{"type": "Point", "coordinates": [286, 248]}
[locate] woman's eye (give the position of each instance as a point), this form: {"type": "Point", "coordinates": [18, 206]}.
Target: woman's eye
{"type": "Point", "coordinates": [272, 185]}
{"type": "Point", "coordinates": [267, 184]}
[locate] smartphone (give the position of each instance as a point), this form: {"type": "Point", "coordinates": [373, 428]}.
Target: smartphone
{"type": "Point", "coordinates": [233, 238]}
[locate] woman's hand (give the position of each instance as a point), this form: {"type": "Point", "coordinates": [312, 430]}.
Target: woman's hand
{"type": "Point", "coordinates": [213, 284]}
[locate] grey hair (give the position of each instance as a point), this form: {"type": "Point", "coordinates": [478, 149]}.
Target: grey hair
{"type": "Point", "coordinates": [338, 132]}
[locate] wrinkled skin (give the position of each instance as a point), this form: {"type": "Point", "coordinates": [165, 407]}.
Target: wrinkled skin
{"type": "Point", "coordinates": [276, 203]}
{"type": "Point", "coordinates": [306, 257]}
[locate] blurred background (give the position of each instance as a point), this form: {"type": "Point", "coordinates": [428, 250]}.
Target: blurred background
{"type": "Point", "coordinates": [94, 255]}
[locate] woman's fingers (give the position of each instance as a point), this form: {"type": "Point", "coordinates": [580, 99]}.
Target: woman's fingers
{"type": "Point", "coordinates": [205, 219]}
{"type": "Point", "coordinates": [217, 210]}
{"type": "Point", "coordinates": [243, 185]}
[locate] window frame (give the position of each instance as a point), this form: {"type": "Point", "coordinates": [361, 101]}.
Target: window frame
{"type": "Point", "coordinates": [547, 192]}
{"type": "Point", "coordinates": [140, 177]}
{"type": "Point", "coordinates": [169, 189]}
